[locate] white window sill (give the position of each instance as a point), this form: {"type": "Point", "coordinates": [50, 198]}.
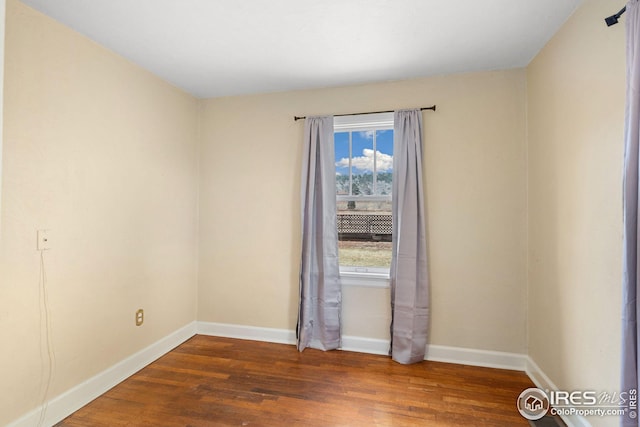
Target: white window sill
{"type": "Point", "coordinates": [369, 279]}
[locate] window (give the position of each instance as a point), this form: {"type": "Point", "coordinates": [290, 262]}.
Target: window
{"type": "Point", "coordinates": [364, 169]}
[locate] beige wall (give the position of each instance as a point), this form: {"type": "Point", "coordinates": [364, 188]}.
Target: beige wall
{"type": "Point", "coordinates": [108, 158]}
{"type": "Point", "coordinates": [103, 154]}
{"type": "Point", "coordinates": [476, 203]}
{"type": "Point", "coordinates": [575, 121]}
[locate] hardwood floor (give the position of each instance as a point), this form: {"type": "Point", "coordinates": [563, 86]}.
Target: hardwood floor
{"type": "Point", "coordinates": [210, 381]}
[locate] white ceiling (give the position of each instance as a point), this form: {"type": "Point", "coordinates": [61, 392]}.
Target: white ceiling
{"type": "Point", "coordinates": [214, 48]}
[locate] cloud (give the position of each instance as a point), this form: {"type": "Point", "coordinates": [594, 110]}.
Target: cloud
{"type": "Point", "coordinates": [366, 134]}
{"type": "Point", "coordinates": [365, 162]}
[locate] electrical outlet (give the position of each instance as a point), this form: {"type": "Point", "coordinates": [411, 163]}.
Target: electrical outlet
{"type": "Point", "coordinates": [43, 241]}
{"type": "Point", "coordinates": [139, 317]}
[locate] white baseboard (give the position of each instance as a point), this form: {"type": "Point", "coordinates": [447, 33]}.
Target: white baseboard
{"type": "Point", "coordinates": [436, 353]}
{"type": "Point", "coordinates": [542, 381]}
{"type": "Point", "coordinates": [70, 401]}
{"type": "Point", "coordinates": [253, 333]}
{"type": "Point", "coordinates": [286, 336]}
{"type": "Point", "coordinates": [475, 357]}
{"type": "Point", "coordinates": [365, 345]}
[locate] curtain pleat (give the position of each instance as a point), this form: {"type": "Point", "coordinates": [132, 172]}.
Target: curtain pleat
{"type": "Point", "coordinates": [319, 324]}
{"type": "Point", "coordinates": [630, 210]}
{"type": "Point", "coordinates": [409, 274]}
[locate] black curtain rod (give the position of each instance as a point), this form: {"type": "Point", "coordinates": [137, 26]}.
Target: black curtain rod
{"type": "Point", "coordinates": [296, 118]}
{"type": "Point", "coordinates": [613, 19]}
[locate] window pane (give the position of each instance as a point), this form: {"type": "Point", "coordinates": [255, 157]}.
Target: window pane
{"type": "Point", "coordinates": [364, 233]}
{"type": "Point", "coordinates": [362, 163]}
{"type": "Point", "coordinates": [364, 254]}
{"type": "Point", "coordinates": [384, 162]}
{"type": "Point", "coordinates": [341, 142]}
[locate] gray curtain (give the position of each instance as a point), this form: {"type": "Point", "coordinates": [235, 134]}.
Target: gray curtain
{"type": "Point", "coordinates": [320, 291]}
{"type": "Point", "coordinates": [630, 209]}
{"type": "Point", "coordinates": [409, 275]}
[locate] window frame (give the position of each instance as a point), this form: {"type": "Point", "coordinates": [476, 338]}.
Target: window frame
{"type": "Point", "coordinates": [377, 277]}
